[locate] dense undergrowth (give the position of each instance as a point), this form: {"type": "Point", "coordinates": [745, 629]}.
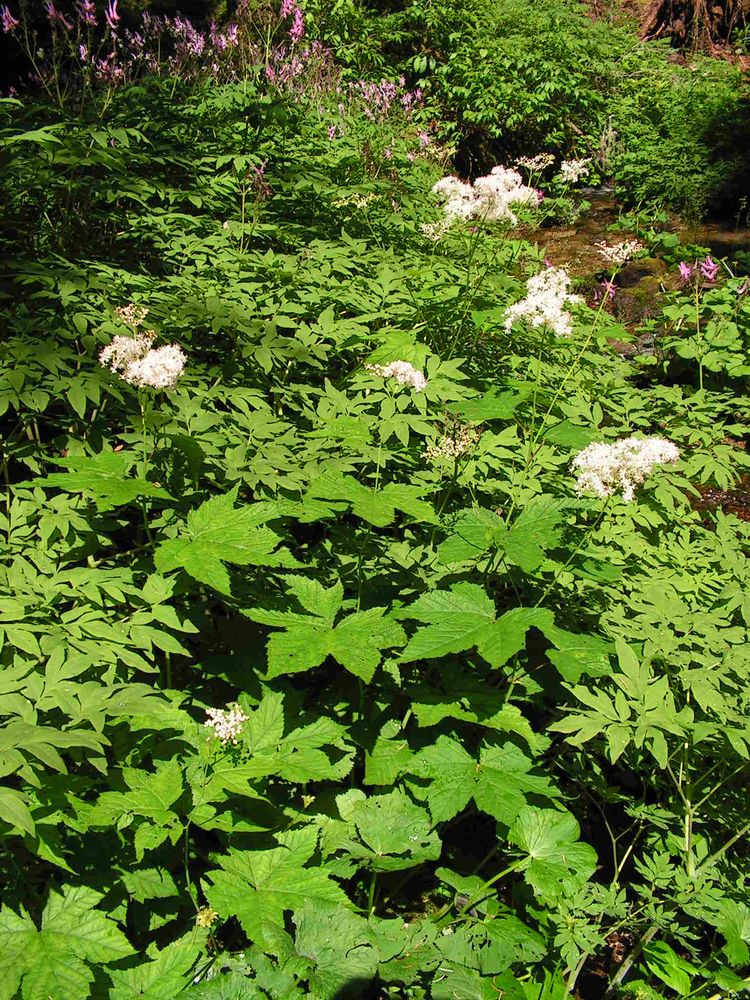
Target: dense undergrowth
{"type": "Point", "coordinates": [325, 671]}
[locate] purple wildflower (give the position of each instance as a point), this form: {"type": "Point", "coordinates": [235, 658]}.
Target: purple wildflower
{"type": "Point", "coordinates": [111, 16]}
{"type": "Point", "coordinates": [87, 12]}
{"type": "Point", "coordinates": [331, 131]}
{"type": "Point", "coordinates": [83, 53]}
{"type": "Point", "coordinates": [686, 272]}
{"type": "Point", "coordinates": [424, 140]}
{"type": "Point", "coordinates": [10, 23]}
{"type": "Point", "coordinates": [709, 269]}
{"type": "Point", "coordinates": [54, 15]}
{"type": "Point", "coordinates": [297, 29]}
{"type": "Point", "coordinates": [287, 7]}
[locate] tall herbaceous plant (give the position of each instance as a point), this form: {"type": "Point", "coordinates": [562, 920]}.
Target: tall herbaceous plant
{"type": "Point", "coordinates": [370, 626]}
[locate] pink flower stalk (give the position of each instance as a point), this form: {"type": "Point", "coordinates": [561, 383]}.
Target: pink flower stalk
{"type": "Point", "coordinates": [709, 269]}
{"type": "Point", "coordinates": [331, 131]}
{"type": "Point", "coordinates": [539, 195]}
{"type": "Point", "coordinates": [297, 29]}
{"type": "Point", "coordinates": [9, 22]}
{"type": "Point", "coordinates": [686, 272]}
{"type": "Point", "coordinates": [111, 16]}
{"type": "Point", "coordinates": [83, 53]}
{"type": "Point", "coordinates": [424, 140]}
{"type": "Point", "coordinates": [287, 8]}
{"type": "Point", "coordinates": [608, 288]}
{"type": "Point", "coordinates": [54, 15]}
{"type": "Point", "coordinates": [87, 13]}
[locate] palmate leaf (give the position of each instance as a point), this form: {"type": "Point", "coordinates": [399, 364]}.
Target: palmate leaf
{"type": "Point", "coordinates": [500, 782]}
{"type": "Point", "coordinates": [395, 832]}
{"type": "Point", "coordinates": [377, 507]}
{"type": "Point", "coordinates": [54, 962]}
{"type": "Point", "coordinates": [463, 618]}
{"type": "Point", "coordinates": [356, 642]}
{"type": "Point", "coordinates": [260, 886]}
{"type": "Point", "coordinates": [338, 945]}
{"type": "Point", "coordinates": [537, 528]}
{"type": "Point", "coordinates": [556, 863]}
{"type": "Point", "coordinates": [165, 974]}
{"type": "Point", "coordinates": [216, 533]}
{"type": "Point", "coordinates": [106, 476]}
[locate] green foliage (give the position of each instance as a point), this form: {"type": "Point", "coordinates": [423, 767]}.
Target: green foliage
{"type": "Point", "coordinates": [314, 683]}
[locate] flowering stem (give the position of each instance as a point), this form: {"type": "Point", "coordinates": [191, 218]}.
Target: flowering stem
{"type": "Point", "coordinates": [144, 508]}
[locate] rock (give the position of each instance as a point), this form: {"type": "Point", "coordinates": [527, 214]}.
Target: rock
{"type": "Point", "coordinates": [648, 267]}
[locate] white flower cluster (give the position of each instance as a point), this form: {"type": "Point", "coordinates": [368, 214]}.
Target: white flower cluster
{"type": "Point", "coordinates": [547, 294]}
{"type": "Point", "coordinates": [619, 253]}
{"type": "Point", "coordinates": [134, 360]}
{"type": "Point", "coordinates": [458, 439]}
{"type": "Point", "coordinates": [572, 171]}
{"type": "Point", "coordinates": [605, 469]}
{"type": "Point", "coordinates": [436, 230]}
{"type": "Point", "coordinates": [403, 372]}
{"type": "Point", "coordinates": [358, 200]}
{"type": "Point", "coordinates": [131, 315]}
{"type": "Point", "coordinates": [226, 723]}
{"type": "Point", "coordinates": [535, 164]}
{"type": "Point", "coordinates": [487, 198]}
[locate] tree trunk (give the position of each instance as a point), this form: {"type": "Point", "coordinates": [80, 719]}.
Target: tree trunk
{"type": "Point", "coordinates": [694, 24]}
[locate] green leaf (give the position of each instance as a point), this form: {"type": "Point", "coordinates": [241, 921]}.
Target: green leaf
{"type": "Point", "coordinates": [54, 961]}
{"type": "Point", "coordinates": [537, 528]}
{"type": "Point", "coordinates": [167, 974]}
{"type": "Point", "coordinates": [150, 795]}
{"type": "Point", "coordinates": [14, 811]}
{"type": "Point", "coordinates": [556, 863]}
{"type": "Point", "coordinates": [337, 944]}
{"type": "Point", "coordinates": [397, 833]}
{"type": "Point", "coordinates": [500, 782]}
{"type": "Point", "coordinates": [105, 475]}
{"type": "Point", "coordinates": [259, 886]}
{"type": "Point", "coordinates": [217, 533]}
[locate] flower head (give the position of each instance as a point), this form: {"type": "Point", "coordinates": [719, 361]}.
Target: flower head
{"type": "Point", "coordinates": [9, 22]}
{"type": "Point", "coordinates": [123, 351]}
{"type": "Point", "coordinates": [489, 197]}
{"type": "Point", "coordinates": [111, 16]}
{"type": "Point", "coordinates": [535, 164]}
{"type": "Point", "coordinates": [206, 916]}
{"type": "Point", "coordinates": [572, 171]}
{"type": "Point", "coordinates": [547, 295]}
{"type": "Point", "coordinates": [87, 12]}
{"type": "Point", "coordinates": [619, 253]}
{"type": "Point", "coordinates": [709, 269]}
{"type": "Point", "coordinates": [606, 469]}
{"type": "Point", "coordinates": [157, 369]}
{"type": "Point", "coordinates": [456, 440]}
{"type": "Point", "coordinates": [403, 372]}
{"type": "Point", "coordinates": [297, 29]}
{"type": "Point", "coordinates": [226, 723]}
{"type": "Point", "coordinates": [131, 314]}
{"type": "Point", "coordinates": [686, 272]}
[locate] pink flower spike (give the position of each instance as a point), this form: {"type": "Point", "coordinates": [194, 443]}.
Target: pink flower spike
{"type": "Point", "coordinates": [331, 131]}
{"type": "Point", "coordinates": [297, 29]}
{"type": "Point", "coordinates": [686, 272]}
{"type": "Point", "coordinates": [111, 16]}
{"type": "Point", "coordinates": [9, 22]}
{"type": "Point", "coordinates": [287, 6]}
{"type": "Point", "coordinates": [87, 13]}
{"type": "Point", "coordinates": [709, 269]}
{"type": "Point", "coordinates": [54, 15]}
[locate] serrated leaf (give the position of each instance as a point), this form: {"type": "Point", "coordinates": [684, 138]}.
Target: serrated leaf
{"type": "Point", "coordinates": [336, 942]}
{"type": "Point", "coordinates": [557, 863]}
{"type": "Point", "coordinates": [260, 886]}
{"type": "Point", "coordinates": [397, 832]}
{"type": "Point", "coordinates": [537, 528]}
{"type": "Point", "coordinates": [500, 782]}
{"type": "Point", "coordinates": [105, 476]}
{"type": "Point", "coordinates": [216, 533]}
